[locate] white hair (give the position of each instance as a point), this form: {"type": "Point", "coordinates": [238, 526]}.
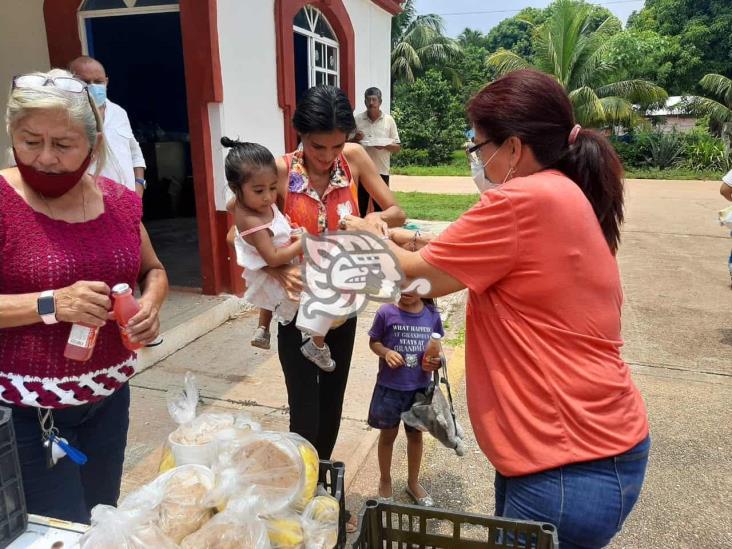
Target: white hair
{"type": "Point", "coordinates": [79, 107]}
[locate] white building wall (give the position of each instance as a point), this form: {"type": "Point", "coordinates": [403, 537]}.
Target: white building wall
{"type": "Point", "coordinates": [250, 110]}
{"type": "Point", "coordinates": [23, 48]}
{"type": "Point", "coordinates": [372, 27]}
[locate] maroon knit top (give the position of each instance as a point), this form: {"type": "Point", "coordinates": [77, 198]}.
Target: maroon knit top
{"type": "Point", "coordinates": [39, 253]}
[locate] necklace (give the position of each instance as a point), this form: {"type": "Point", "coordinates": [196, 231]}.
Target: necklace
{"type": "Point", "coordinates": [50, 211]}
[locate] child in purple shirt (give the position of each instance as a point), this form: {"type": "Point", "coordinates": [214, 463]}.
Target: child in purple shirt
{"type": "Point", "coordinates": [398, 337]}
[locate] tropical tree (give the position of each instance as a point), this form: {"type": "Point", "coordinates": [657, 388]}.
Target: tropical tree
{"type": "Point", "coordinates": [719, 106]}
{"type": "Point", "coordinates": [418, 43]}
{"type": "Point", "coordinates": [574, 48]}
{"type": "Point", "coordinates": [700, 39]}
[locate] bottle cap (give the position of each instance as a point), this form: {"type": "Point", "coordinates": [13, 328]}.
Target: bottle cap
{"type": "Point", "coordinates": [121, 288]}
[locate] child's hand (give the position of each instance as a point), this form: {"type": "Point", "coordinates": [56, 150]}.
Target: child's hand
{"type": "Point", "coordinates": [393, 359]}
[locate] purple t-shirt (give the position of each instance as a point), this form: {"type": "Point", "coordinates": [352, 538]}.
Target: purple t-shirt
{"type": "Point", "coordinates": [407, 334]}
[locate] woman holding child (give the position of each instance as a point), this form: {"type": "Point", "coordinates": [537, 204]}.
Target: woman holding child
{"type": "Point", "coordinates": [313, 187]}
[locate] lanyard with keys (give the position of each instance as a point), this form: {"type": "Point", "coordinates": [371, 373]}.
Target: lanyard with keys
{"type": "Point", "coordinates": [56, 447]}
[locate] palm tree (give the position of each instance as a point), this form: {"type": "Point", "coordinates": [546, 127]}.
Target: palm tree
{"type": "Point", "coordinates": [719, 106]}
{"type": "Point", "coordinates": [567, 48]}
{"type": "Point", "coordinates": [418, 43]}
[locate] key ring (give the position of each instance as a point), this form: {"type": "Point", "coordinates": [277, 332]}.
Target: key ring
{"type": "Point", "coordinates": [48, 427]}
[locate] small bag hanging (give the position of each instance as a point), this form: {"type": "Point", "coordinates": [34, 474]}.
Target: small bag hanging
{"type": "Point", "coordinates": [435, 414]}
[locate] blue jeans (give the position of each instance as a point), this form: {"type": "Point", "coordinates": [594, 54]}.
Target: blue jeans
{"type": "Point", "coordinates": [68, 491]}
{"type": "Point", "coordinates": [587, 502]}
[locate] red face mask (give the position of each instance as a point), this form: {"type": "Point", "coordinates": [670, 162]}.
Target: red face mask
{"type": "Point", "coordinates": [51, 185]}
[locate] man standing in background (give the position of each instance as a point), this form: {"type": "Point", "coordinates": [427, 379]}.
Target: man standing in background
{"type": "Point", "coordinates": [378, 134]}
{"type": "Point", "coordinates": [126, 165]}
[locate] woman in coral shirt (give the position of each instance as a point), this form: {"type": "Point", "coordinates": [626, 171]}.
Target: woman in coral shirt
{"type": "Point", "coordinates": [550, 399]}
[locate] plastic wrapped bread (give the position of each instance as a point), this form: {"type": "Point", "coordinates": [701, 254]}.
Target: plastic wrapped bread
{"type": "Point", "coordinates": [175, 501]}
{"type": "Point", "coordinates": [113, 528]}
{"type": "Point", "coordinates": [282, 468]}
{"type": "Point", "coordinates": [320, 522]}
{"type": "Point", "coordinates": [237, 527]}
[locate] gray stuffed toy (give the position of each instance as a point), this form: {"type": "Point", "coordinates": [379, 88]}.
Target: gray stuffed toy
{"type": "Point", "coordinates": [432, 413]}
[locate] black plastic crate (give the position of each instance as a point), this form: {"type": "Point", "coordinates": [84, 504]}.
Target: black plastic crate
{"type": "Point", "coordinates": [13, 515]}
{"type": "Point", "coordinates": [332, 476]}
{"type": "Point", "coordinates": [392, 526]}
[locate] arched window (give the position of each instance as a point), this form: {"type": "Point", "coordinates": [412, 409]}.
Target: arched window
{"type": "Point", "coordinates": [316, 51]}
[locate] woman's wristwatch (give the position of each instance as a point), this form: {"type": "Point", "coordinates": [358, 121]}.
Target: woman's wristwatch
{"type": "Point", "coordinates": [46, 307]}
{"type": "Point", "coordinates": [140, 181]}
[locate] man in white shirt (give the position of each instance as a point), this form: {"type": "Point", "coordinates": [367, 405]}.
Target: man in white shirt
{"type": "Point", "coordinates": [126, 164]}
{"type": "Point", "coordinates": [378, 134]}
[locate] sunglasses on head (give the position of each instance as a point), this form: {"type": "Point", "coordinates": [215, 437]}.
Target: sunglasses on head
{"type": "Point", "coordinates": [64, 83]}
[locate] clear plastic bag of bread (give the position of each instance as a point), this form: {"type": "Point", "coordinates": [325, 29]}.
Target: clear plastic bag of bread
{"type": "Point", "coordinates": [320, 521]}
{"type": "Point", "coordinates": [113, 528]}
{"type": "Point", "coordinates": [282, 468]}
{"type": "Point", "coordinates": [237, 527]}
{"type": "Point", "coordinates": [192, 442]}
{"type": "Point", "coordinates": [285, 530]}
{"type": "Point", "coordinates": [176, 500]}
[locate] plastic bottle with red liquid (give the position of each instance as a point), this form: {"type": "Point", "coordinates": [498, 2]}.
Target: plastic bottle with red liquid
{"type": "Point", "coordinates": [125, 307]}
{"type": "Point", "coordinates": [80, 344]}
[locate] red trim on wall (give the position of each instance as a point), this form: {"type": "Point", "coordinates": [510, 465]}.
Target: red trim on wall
{"type": "Point", "coordinates": [199, 28]}
{"type": "Point", "coordinates": [392, 6]}
{"type": "Point", "coordinates": [337, 15]}
{"type": "Point", "coordinates": [62, 31]}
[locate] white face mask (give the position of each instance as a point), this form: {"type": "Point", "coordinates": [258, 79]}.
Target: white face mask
{"type": "Point", "coordinates": [478, 172]}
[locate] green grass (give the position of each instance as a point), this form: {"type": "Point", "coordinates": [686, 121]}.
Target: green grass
{"type": "Point", "coordinates": [435, 207]}
{"type": "Point", "coordinates": [458, 166]}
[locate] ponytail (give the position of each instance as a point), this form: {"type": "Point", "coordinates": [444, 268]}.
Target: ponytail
{"type": "Point", "coordinates": [592, 163]}
{"type": "Point", "coordinates": [535, 108]}
{"type": "Point", "coordinates": [242, 161]}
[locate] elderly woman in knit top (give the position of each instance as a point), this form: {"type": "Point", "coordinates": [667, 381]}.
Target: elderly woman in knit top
{"type": "Point", "coordinates": [66, 238]}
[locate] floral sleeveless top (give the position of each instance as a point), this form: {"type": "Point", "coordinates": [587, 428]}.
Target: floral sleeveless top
{"type": "Point", "coordinates": [306, 208]}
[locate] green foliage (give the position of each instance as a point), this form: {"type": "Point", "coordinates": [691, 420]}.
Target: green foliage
{"type": "Point", "coordinates": [699, 37]}
{"type": "Point", "coordinates": [515, 33]}
{"type": "Point", "coordinates": [418, 43]}
{"type": "Point", "coordinates": [409, 157]}
{"type": "Point", "coordinates": [697, 151]}
{"type": "Point", "coordinates": [665, 150]}
{"type": "Point", "coordinates": [429, 117]}
{"type": "Point", "coordinates": [705, 152]}
{"type": "Point", "coordinates": [631, 153]}
{"type": "Point", "coordinates": [574, 47]}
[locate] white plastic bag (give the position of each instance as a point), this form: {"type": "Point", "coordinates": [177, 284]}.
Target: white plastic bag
{"type": "Point", "coordinates": [193, 441]}
{"type": "Point", "coordinates": [113, 528]}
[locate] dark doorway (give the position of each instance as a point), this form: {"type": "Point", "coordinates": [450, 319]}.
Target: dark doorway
{"type": "Point", "coordinates": [143, 57]}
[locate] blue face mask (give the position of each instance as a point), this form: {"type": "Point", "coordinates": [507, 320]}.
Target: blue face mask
{"type": "Point", "coordinates": [99, 93]}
